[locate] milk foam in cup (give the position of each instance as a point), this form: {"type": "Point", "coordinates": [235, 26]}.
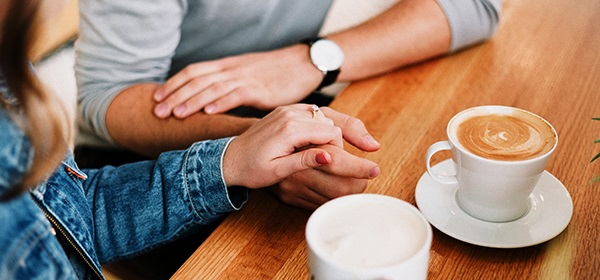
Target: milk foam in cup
{"type": "Point", "coordinates": [368, 236]}
{"type": "Point", "coordinates": [499, 154]}
{"type": "Point", "coordinates": [515, 136]}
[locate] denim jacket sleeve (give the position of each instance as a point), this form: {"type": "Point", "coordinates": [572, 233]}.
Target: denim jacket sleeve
{"type": "Point", "coordinates": [142, 205]}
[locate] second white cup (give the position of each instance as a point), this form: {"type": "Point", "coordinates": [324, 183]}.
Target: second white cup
{"type": "Point", "coordinates": [368, 236]}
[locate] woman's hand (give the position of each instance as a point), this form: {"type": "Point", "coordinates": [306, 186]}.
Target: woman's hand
{"type": "Point", "coordinates": [286, 141]}
{"type": "Point", "coordinates": [345, 174]}
{"type": "Point", "coordinates": [279, 145]}
{"type": "Point", "coordinates": [261, 80]}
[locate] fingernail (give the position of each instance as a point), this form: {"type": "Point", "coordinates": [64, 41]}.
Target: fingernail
{"type": "Point", "coordinates": [372, 140]}
{"type": "Point", "coordinates": [321, 159]}
{"type": "Point", "coordinates": [160, 110]}
{"type": "Point", "coordinates": [209, 109]}
{"type": "Point", "coordinates": [179, 110]}
{"type": "Point", "coordinates": [158, 95]}
{"type": "Point", "coordinates": [374, 172]}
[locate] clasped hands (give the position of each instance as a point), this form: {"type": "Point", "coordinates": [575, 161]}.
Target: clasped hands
{"type": "Point", "coordinates": [303, 155]}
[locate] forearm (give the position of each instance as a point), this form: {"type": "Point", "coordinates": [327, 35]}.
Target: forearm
{"type": "Point", "coordinates": [409, 32]}
{"type": "Point", "coordinates": [132, 124]}
{"type": "Point", "coordinates": [158, 200]}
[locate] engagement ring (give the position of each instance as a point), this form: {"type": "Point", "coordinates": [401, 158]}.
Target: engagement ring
{"type": "Point", "coordinates": [315, 110]}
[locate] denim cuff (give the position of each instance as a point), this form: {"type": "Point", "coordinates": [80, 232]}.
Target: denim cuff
{"type": "Point", "coordinates": [208, 192]}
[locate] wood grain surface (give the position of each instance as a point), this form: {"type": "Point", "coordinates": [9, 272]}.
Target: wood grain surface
{"type": "Point", "coordinates": [545, 58]}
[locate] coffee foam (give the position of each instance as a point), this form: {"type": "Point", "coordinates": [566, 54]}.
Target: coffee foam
{"type": "Point", "coordinates": [516, 135]}
{"type": "Point", "coordinates": [370, 235]}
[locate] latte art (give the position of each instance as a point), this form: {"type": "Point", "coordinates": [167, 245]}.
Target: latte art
{"type": "Point", "coordinates": [506, 137]}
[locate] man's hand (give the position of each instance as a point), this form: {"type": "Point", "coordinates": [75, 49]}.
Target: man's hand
{"type": "Point", "coordinates": [345, 174]}
{"type": "Point", "coordinates": [261, 80]}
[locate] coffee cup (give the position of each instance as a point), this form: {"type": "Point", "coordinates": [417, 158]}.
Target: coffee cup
{"type": "Point", "coordinates": [368, 236]}
{"type": "Point", "coordinates": [499, 154]}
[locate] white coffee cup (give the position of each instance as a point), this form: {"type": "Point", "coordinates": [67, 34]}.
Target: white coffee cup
{"type": "Point", "coordinates": [495, 175]}
{"type": "Point", "coordinates": [368, 236]}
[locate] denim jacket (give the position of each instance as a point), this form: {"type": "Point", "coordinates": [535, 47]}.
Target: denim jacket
{"type": "Point", "coordinates": [77, 220]}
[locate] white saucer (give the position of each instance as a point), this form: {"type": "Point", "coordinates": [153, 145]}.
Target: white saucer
{"type": "Point", "coordinates": [550, 213]}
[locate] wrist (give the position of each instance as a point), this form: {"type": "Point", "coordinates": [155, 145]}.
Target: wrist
{"type": "Point", "coordinates": [227, 164]}
{"type": "Point", "coordinates": [237, 195]}
{"type": "Point", "coordinates": [307, 75]}
{"type": "Point", "coordinates": [327, 57]}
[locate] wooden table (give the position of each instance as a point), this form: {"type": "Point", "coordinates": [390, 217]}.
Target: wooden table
{"type": "Point", "coordinates": [546, 59]}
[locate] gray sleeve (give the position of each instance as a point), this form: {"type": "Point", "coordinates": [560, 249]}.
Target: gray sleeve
{"type": "Point", "coordinates": [471, 21]}
{"type": "Point", "coordinates": [122, 43]}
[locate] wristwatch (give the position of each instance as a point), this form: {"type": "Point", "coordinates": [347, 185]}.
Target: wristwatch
{"type": "Point", "coordinates": [327, 56]}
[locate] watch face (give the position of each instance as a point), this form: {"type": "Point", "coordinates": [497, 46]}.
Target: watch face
{"type": "Point", "coordinates": [326, 55]}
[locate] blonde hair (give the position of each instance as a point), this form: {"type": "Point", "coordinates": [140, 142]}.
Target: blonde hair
{"type": "Point", "coordinates": [42, 112]}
